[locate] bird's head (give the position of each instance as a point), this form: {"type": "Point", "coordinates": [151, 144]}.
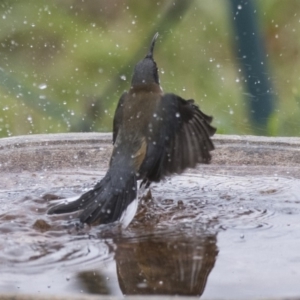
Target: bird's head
{"type": "Point", "coordinates": [145, 71]}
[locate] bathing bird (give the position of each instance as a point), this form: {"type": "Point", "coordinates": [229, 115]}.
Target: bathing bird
{"type": "Point", "coordinates": [155, 134]}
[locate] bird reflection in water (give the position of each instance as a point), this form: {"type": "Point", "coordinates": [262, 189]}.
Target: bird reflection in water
{"type": "Point", "coordinates": [168, 263]}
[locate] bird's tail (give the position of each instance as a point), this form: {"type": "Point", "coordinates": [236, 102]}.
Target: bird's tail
{"type": "Point", "coordinates": [108, 201]}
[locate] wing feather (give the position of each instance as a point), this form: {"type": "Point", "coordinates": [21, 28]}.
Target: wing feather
{"type": "Point", "coordinates": [188, 133]}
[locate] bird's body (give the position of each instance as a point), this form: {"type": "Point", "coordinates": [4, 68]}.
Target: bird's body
{"type": "Point", "coordinates": [154, 135]}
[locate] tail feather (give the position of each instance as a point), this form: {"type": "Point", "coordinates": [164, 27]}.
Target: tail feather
{"type": "Point", "coordinates": [72, 206]}
{"type": "Point", "coordinates": [106, 202]}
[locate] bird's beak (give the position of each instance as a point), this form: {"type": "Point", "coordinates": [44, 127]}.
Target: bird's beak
{"type": "Point", "coordinates": [150, 53]}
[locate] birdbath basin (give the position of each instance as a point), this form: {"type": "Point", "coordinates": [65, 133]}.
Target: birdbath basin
{"type": "Point", "coordinates": [228, 230]}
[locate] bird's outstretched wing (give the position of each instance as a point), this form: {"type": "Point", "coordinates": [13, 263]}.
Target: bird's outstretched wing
{"type": "Point", "coordinates": [186, 131]}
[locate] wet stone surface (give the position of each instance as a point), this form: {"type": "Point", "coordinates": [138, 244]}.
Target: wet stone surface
{"type": "Point", "coordinates": [226, 231]}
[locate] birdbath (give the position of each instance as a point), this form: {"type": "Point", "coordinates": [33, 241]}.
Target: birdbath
{"type": "Point", "coordinates": [226, 230]}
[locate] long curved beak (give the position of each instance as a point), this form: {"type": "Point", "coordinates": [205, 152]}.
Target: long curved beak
{"type": "Point", "coordinates": [150, 53]}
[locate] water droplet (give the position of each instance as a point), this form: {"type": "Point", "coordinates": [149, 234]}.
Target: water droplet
{"type": "Point", "coordinates": [42, 86]}
{"type": "Point", "coordinates": [123, 77]}
{"type": "Point", "coordinates": [177, 115]}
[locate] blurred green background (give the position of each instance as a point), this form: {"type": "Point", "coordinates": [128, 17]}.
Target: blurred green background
{"type": "Point", "coordinates": [65, 63]}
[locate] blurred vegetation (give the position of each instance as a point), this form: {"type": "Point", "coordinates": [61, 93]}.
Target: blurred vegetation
{"type": "Point", "coordinates": [64, 64]}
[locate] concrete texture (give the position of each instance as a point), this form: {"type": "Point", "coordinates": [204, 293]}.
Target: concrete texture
{"type": "Point", "coordinates": [67, 151]}
{"type": "Point", "coordinates": [52, 151]}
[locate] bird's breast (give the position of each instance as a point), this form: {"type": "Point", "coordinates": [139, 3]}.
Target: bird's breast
{"type": "Point", "coordinates": [140, 110]}
{"type": "Point", "coordinates": [138, 126]}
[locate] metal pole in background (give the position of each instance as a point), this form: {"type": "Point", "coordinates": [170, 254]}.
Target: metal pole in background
{"type": "Point", "coordinates": [251, 54]}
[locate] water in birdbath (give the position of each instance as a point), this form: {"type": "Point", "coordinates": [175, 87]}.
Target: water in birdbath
{"type": "Point", "coordinates": [218, 235]}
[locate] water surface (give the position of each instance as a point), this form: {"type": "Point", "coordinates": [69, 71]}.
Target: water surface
{"type": "Point", "coordinates": [220, 236]}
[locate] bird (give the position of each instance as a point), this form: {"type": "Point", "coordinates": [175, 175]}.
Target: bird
{"type": "Point", "coordinates": [155, 134]}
